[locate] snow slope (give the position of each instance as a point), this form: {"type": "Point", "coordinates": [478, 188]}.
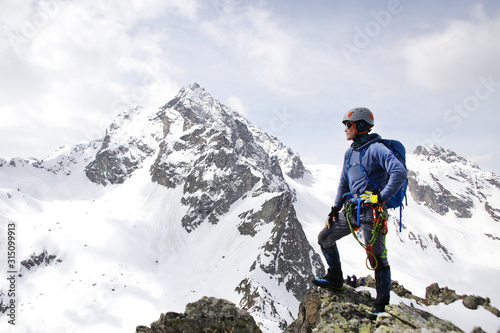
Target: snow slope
{"type": "Point", "coordinates": [122, 263]}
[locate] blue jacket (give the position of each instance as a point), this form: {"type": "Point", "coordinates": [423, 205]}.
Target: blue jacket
{"type": "Point", "coordinates": [381, 166]}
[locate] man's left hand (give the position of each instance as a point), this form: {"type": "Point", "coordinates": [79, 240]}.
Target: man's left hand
{"type": "Point", "coordinates": [370, 198]}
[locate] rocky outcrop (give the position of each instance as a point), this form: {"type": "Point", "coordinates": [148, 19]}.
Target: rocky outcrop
{"type": "Point", "coordinates": [209, 314]}
{"type": "Point", "coordinates": [123, 149]}
{"type": "Point", "coordinates": [37, 260]}
{"type": "Point", "coordinates": [346, 311]}
{"type": "Point", "coordinates": [34, 262]}
{"type": "Point", "coordinates": [113, 166]}
{"type": "Point", "coordinates": [435, 295]}
{"type": "Point", "coordinates": [323, 310]}
{"type": "Point", "coordinates": [285, 255]}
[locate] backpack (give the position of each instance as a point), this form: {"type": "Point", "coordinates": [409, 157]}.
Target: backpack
{"type": "Point", "coordinates": [398, 149]}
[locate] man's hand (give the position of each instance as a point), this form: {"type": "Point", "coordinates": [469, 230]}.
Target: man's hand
{"type": "Point", "coordinates": [370, 198]}
{"type": "Point", "coordinates": [333, 216]}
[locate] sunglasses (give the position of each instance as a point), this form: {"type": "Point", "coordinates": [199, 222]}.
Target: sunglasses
{"type": "Point", "coordinates": [348, 124]}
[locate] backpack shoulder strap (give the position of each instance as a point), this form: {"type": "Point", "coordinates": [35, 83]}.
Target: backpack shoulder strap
{"type": "Point", "coordinates": [364, 170]}
{"type": "Point", "coordinates": [349, 154]}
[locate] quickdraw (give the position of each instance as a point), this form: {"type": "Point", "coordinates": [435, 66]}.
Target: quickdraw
{"type": "Point", "coordinates": [379, 226]}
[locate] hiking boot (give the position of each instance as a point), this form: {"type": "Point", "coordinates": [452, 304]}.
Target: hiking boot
{"type": "Point", "coordinates": [374, 313]}
{"type": "Point", "coordinates": [378, 308]}
{"type": "Point", "coordinates": [333, 280]}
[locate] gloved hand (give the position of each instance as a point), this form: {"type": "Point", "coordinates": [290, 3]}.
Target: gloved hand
{"type": "Point", "coordinates": [333, 216]}
{"type": "Point", "coordinates": [371, 198]}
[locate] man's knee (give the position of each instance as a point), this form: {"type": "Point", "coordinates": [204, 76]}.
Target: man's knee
{"type": "Point", "coordinates": [326, 238]}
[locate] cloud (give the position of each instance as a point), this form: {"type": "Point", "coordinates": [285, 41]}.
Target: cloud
{"type": "Point", "coordinates": [69, 66]}
{"type": "Point", "coordinates": [237, 104]}
{"type": "Point", "coordinates": [465, 50]}
{"type": "Point", "coordinates": [257, 41]}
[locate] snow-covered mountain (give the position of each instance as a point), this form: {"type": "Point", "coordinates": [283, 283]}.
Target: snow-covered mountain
{"type": "Point", "coordinates": [192, 200]}
{"type": "Point", "coordinates": [190, 197]}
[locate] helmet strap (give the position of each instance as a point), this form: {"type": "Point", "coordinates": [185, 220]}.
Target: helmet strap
{"type": "Point", "coordinates": [356, 130]}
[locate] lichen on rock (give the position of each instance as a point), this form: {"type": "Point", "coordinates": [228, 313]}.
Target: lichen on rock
{"type": "Point", "coordinates": [209, 314]}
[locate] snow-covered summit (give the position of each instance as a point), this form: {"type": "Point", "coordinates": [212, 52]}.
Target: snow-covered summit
{"type": "Point", "coordinates": [435, 153]}
{"type": "Point", "coordinates": [200, 104]}
{"type": "Point", "coordinates": [189, 184]}
{"type": "Point", "coordinates": [198, 107]}
{"type": "Point", "coordinates": [444, 181]}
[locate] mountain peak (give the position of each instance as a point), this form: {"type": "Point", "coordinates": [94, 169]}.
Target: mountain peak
{"type": "Point", "coordinates": [436, 153]}
{"type": "Point", "coordinates": [192, 89]}
{"type": "Point", "coordinates": [196, 94]}
{"type": "Point", "coordinates": [196, 105]}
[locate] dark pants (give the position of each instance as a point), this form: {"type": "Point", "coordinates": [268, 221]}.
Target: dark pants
{"type": "Point", "coordinates": [328, 238]}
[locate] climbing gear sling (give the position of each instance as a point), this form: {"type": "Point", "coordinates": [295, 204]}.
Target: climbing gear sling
{"type": "Point", "coordinates": [379, 227]}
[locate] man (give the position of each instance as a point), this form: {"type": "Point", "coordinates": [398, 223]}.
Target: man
{"type": "Point", "coordinates": [371, 175]}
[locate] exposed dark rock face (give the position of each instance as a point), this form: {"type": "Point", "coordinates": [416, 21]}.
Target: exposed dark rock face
{"type": "Point", "coordinates": [438, 198]}
{"type": "Point", "coordinates": [42, 259]}
{"type": "Point", "coordinates": [286, 255]}
{"type": "Point", "coordinates": [218, 158]}
{"type": "Point", "coordinates": [431, 187]}
{"type": "Point", "coordinates": [114, 166]}
{"type": "Point", "coordinates": [206, 315]}
{"type": "Point", "coordinates": [121, 152]}
{"type": "Point", "coordinates": [447, 255]}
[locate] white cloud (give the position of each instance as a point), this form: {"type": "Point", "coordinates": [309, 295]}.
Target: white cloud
{"type": "Point", "coordinates": [458, 55]}
{"type": "Point", "coordinates": [258, 42]}
{"type": "Point", "coordinates": [237, 104]}
{"type": "Point", "coordinates": [69, 66]}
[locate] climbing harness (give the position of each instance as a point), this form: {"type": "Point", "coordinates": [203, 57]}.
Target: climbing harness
{"type": "Point", "coordinates": [379, 227]}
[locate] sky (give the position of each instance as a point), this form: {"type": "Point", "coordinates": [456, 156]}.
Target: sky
{"type": "Point", "coordinates": [428, 70]}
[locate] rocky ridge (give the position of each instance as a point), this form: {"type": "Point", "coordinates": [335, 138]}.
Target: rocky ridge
{"type": "Point", "coordinates": [327, 311]}
{"type": "Point", "coordinates": [322, 310]}
{"type": "Point", "coordinates": [426, 185]}
{"type": "Point", "coordinates": [330, 311]}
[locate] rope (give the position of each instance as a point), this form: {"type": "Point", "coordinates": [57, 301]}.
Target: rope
{"type": "Point", "coordinates": [379, 226]}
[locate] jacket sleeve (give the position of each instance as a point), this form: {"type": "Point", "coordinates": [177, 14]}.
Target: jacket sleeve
{"type": "Point", "coordinates": [396, 173]}
{"type": "Point", "coordinates": [343, 184]}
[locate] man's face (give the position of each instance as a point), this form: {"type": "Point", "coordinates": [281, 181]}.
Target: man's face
{"type": "Point", "coordinates": [350, 133]}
